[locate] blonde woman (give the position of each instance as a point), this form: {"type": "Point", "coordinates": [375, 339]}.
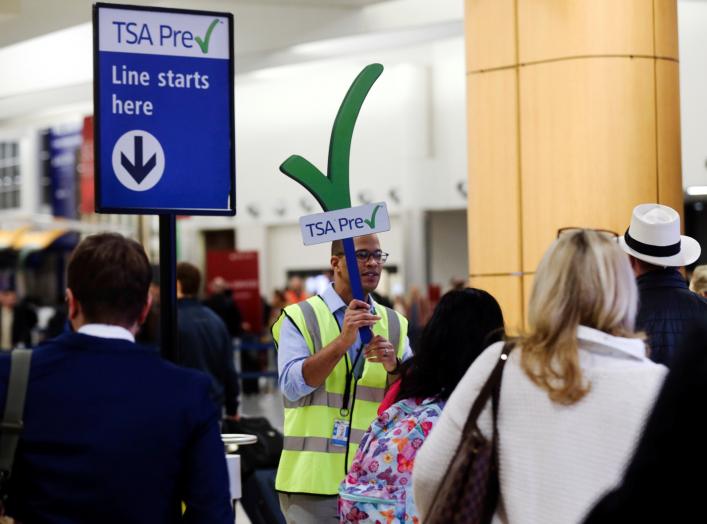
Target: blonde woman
{"type": "Point", "coordinates": [574, 395]}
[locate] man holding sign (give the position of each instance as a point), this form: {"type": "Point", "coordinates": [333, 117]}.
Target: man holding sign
{"type": "Point", "coordinates": [332, 382]}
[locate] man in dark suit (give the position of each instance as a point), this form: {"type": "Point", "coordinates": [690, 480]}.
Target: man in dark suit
{"type": "Point", "coordinates": [113, 433]}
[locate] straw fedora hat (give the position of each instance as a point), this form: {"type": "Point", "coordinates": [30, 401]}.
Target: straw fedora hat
{"type": "Point", "coordinates": [654, 237]}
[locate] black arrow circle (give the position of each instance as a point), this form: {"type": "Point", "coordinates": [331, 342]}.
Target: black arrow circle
{"type": "Point", "coordinates": [139, 170]}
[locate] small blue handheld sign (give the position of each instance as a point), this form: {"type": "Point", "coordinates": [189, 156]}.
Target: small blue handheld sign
{"type": "Point", "coordinates": [163, 102]}
{"type": "Point", "coordinates": [332, 190]}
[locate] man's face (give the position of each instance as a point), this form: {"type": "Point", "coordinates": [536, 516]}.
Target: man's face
{"type": "Point", "coordinates": [369, 269]}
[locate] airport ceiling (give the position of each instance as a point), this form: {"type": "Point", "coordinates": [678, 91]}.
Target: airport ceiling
{"type": "Point", "coordinates": [47, 44]}
{"type": "Point", "coordinates": [24, 19]}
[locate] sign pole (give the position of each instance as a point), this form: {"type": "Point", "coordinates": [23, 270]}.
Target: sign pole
{"type": "Point", "coordinates": [168, 287]}
{"type": "Point", "coordinates": [355, 282]}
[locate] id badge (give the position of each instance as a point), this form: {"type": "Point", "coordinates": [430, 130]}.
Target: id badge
{"type": "Point", "coordinates": [340, 434]}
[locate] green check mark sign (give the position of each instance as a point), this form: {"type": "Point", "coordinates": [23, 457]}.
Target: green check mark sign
{"type": "Point", "coordinates": [332, 190]}
{"type": "Point", "coordinates": [204, 44]}
{"type": "Point", "coordinates": [372, 222]}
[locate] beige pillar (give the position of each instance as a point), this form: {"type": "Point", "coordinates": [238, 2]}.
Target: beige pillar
{"type": "Point", "coordinates": [573, 119]}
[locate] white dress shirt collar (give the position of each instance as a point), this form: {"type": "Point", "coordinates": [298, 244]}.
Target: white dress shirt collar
{"type": "Point", "coordinates": [107, 331]}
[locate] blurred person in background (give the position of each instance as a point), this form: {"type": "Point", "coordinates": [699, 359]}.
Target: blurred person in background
{"type": "Point", "coordinates": [112, 433]}
{"type": "Point", "coordinates": [456, 283]}
{"type": "Point", "coordinates": [574, 395]}
{"type": "Point", "coordinates": [295, 292]}
{"type": "Point", "coordinates": [17, 320]}
{"type": "Point", "coordinates": [379, 485]}
{"type": "Point", "coordinates": [204, 341]}
{"type": "Point", "coordinates": [698, 282]}
{"type": "Point", "coordinates": [221, 302]}
{"type": "Point", "coordinates": [277, 303]}
{"type": "Point", "coordinates": [418, 312]}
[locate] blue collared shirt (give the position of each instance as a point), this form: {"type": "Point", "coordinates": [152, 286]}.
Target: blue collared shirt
{"type": "Point", "coordinates": [293, 350]}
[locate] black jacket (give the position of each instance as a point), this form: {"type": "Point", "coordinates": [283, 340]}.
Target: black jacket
{"type": "Point", "coordinates": [667, 310]}
{"type": "Point", "coordinates": [204, 344]}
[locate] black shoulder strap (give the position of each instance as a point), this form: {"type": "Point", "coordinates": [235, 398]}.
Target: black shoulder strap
{"type": "Point", "coordinates": [12, 424]}
{"type": "Point", "coordinates": [491, 389]}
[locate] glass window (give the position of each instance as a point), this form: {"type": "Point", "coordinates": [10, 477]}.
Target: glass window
{"type": "Point", "coordinates": [9, 175]}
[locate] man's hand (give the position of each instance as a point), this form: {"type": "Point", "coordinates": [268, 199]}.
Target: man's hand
{"type": "Point", "coordinates": [235, 417]}
{"type": "Point", "coordinates": [380, 350]}
{"type": "Point", "coordinates": [357, 315]}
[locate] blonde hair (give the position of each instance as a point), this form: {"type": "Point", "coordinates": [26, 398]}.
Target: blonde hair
{"type": "Point", "coordinates": [584, 278]}
{"type": "Point", "coordinates": [698, 282]}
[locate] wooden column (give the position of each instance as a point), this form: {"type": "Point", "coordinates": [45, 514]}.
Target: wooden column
{"type": "Point", "coordinates": [573, 119]}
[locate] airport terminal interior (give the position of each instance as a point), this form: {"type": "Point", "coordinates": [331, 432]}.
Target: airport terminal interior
{"type": "Point", "coordinates": [493, 124]}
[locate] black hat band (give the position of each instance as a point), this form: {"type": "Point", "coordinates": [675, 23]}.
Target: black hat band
{"type": "Point", "coordinates": [653, 251]}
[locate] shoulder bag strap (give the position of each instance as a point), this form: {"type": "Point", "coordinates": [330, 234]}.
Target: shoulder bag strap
{"type": "Point", "coordinates": [491, 389]}
{"type": "Point", "coordinates": [11, 425]}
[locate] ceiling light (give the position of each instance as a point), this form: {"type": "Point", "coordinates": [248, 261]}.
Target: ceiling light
{"type": "Point", "coordinates": [697, 190]}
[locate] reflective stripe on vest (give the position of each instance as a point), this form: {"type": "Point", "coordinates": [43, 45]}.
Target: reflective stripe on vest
{"type": "Point", "coordinates": [309, 421]}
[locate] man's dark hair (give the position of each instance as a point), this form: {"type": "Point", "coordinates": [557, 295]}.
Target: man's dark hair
{"type": "Point", "coordinates": [337, 247]}
{"type": "Point", "coordinates": [647, 266]}
{"type": "Point", "coordinates": [189, 278]}
{"type": "Point", "coordinates": [463, 324]}
{"type": "Point", "coordinates": [109, 275]}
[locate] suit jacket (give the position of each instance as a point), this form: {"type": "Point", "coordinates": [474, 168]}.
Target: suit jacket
{"type": "Point", "coordinates": [115, 434]}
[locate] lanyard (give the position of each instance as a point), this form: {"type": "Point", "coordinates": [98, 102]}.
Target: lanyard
{"type": "Point", "coordinates": [344, 411]}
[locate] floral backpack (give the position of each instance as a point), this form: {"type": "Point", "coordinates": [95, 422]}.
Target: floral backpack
{"type": "Point", "coordinates": [378, 487]}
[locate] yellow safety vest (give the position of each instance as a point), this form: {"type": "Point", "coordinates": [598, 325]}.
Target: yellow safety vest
{"type": "Point", "coordinates": [311, 463]}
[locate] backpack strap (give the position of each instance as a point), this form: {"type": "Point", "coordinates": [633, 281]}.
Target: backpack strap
{"type": "Point", "coordinates": [12, 424]}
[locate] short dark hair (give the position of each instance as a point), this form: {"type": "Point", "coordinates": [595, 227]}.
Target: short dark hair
{"type": "Point", "coordinates": [647, 266]}
{"type": "Point", "coordinates": [189, 278]}
{"type": "Point", "coordinates": [462, 325]}
{"type": "Point", "coordinates": [337, 247]}
{"type": "Point", "coordinates": [109, 275]}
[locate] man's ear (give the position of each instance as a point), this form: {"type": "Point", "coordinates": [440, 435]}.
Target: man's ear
{"type": "Point", "coordinates": [335, 263]}
{"type": "Point", "coordinates": [145, 310]}
{"type": "Point", "coordinates": [73, 305]}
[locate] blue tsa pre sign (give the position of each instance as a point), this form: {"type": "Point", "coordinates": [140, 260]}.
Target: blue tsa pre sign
{"type": "Point", "coordinates": [163, 96]}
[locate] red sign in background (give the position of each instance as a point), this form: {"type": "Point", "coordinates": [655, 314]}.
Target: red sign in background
{"type": "Point", "coordinates": [85, 168]}
{"type": "Point", "coordinates": [240, 271]}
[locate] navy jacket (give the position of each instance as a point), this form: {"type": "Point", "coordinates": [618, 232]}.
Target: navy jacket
{"type": "Point", "coordinates": [667, 310]}
{"type": "Point", "coordinates": [115, 434]}
{"type": "Point", "coordinates": [205, 344]}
